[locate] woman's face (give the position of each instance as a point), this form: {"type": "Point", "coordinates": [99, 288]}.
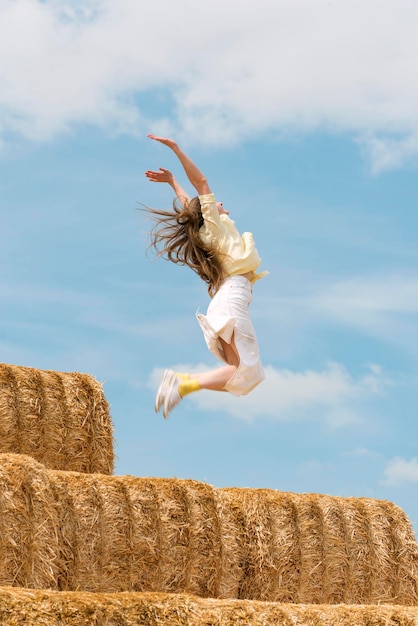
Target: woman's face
{"type": "Point", "coordinates": [221, 209]}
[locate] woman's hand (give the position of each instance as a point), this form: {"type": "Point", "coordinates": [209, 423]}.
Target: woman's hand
{"type": "Point", "coordinates": [161, 176]}
{"type": "Point", "coordinates": [165, 176]}
{"type": "Point", "coordinates": [170, 143]}
{"type": "Point", "coordinates": [193, 173]}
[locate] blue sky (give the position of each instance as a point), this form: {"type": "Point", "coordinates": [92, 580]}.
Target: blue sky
{"type": "Point", "coordinates": [304, 117]}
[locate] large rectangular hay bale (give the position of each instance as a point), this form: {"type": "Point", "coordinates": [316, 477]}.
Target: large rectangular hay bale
{"type": "Point", "coordinates": [60, 419]}
{"type": "Point", "coordinates": [169, 535]}
{"type": "Point", "coordinates": [20, 607]}
{"type": "Point", "coordinates": [121, 533]}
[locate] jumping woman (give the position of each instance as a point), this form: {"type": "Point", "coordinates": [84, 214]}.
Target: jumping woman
{"type": "Point", "coordinates": [199, 233]}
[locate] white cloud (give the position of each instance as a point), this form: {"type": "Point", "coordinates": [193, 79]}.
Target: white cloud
{"type": "Point", "coordinates": [271, 66]}
{"type": "Point", "coordinates": [400, 471]}
{"type": "Point", "coordinates": [329, 395]}
{"type": "Point", "coordinates": [388, 152]}
{"type": "Point", "coordinates": [383, 293]}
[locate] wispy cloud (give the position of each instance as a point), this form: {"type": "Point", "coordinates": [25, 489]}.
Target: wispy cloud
{"type": "Point", "coordinates": [32, 295]}
{"type": "Point", "coordinates": [389, 152]}
{"type": "Point", "coordinates": [382, 293]}
{"type": "Point", "coordinates": [399, 472]}
{"type": "Point", "coordinates": [381, 305]}
{"type": "Point", "coordinates": [331, 70]}
{"type": "Point", "coordinates": [329, 395]}
{"type": "Point", "coordinates": [364, 453]}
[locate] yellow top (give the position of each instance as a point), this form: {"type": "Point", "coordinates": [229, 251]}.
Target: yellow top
{"type": "Point", "coordinates": [238, 252]}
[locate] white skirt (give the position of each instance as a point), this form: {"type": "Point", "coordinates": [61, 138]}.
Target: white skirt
{"type": "Point", "coordinates": [227, 316]}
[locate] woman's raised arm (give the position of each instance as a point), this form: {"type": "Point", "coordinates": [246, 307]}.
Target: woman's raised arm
{"type": "Point", "coordinates": [195, 176]}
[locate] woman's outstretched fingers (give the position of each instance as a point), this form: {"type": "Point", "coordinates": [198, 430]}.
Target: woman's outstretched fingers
{"type": "Point", "coordinates": [159, 176]}
{"type": "Point", "coordinates": [164, 140]}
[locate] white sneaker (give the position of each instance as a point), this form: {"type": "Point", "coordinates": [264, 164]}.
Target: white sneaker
{"type": "Point", "coordinates": [172, 396]}
{"type": "Point", "coordinates": [162, 389]}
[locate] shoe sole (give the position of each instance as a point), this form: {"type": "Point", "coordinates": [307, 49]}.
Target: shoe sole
{"type": "Point", "coordinates": [170, 386]}
{"type": "Point", "coordinates": [159, 398]}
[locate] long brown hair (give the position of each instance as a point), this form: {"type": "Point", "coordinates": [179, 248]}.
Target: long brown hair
{"type": "Point", "coordinates": [175, 237]}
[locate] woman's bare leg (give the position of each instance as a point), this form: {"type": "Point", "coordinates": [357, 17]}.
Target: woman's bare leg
{"type": "Point", "coordinates": [174, 386]}
{"type": "Point", "coordinates": [217, 379]}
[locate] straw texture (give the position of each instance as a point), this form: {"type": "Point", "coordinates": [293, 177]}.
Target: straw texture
{"type": "Point", "coordinates": [137, 534]}
{"type": "Point", "coordinates": [120, 533]}
{"type": "Point", "coordinates": [20, 607]}
{"type": "Point", "coordinates": [60, 419]}
{"type": "Point", "coordinates": [28, 525]}
{"type": "Point", "coordinates": [169, 535]}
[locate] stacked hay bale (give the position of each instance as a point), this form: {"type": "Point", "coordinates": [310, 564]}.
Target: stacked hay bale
{"type": "Point", "coordinates": [19, 607]}
{"type": "Point", "coordinates": [60, 419]}
{"type": "Point", "coordinates": [185, 552]}
{"type": "Point", "coordinates": [97, 533]}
